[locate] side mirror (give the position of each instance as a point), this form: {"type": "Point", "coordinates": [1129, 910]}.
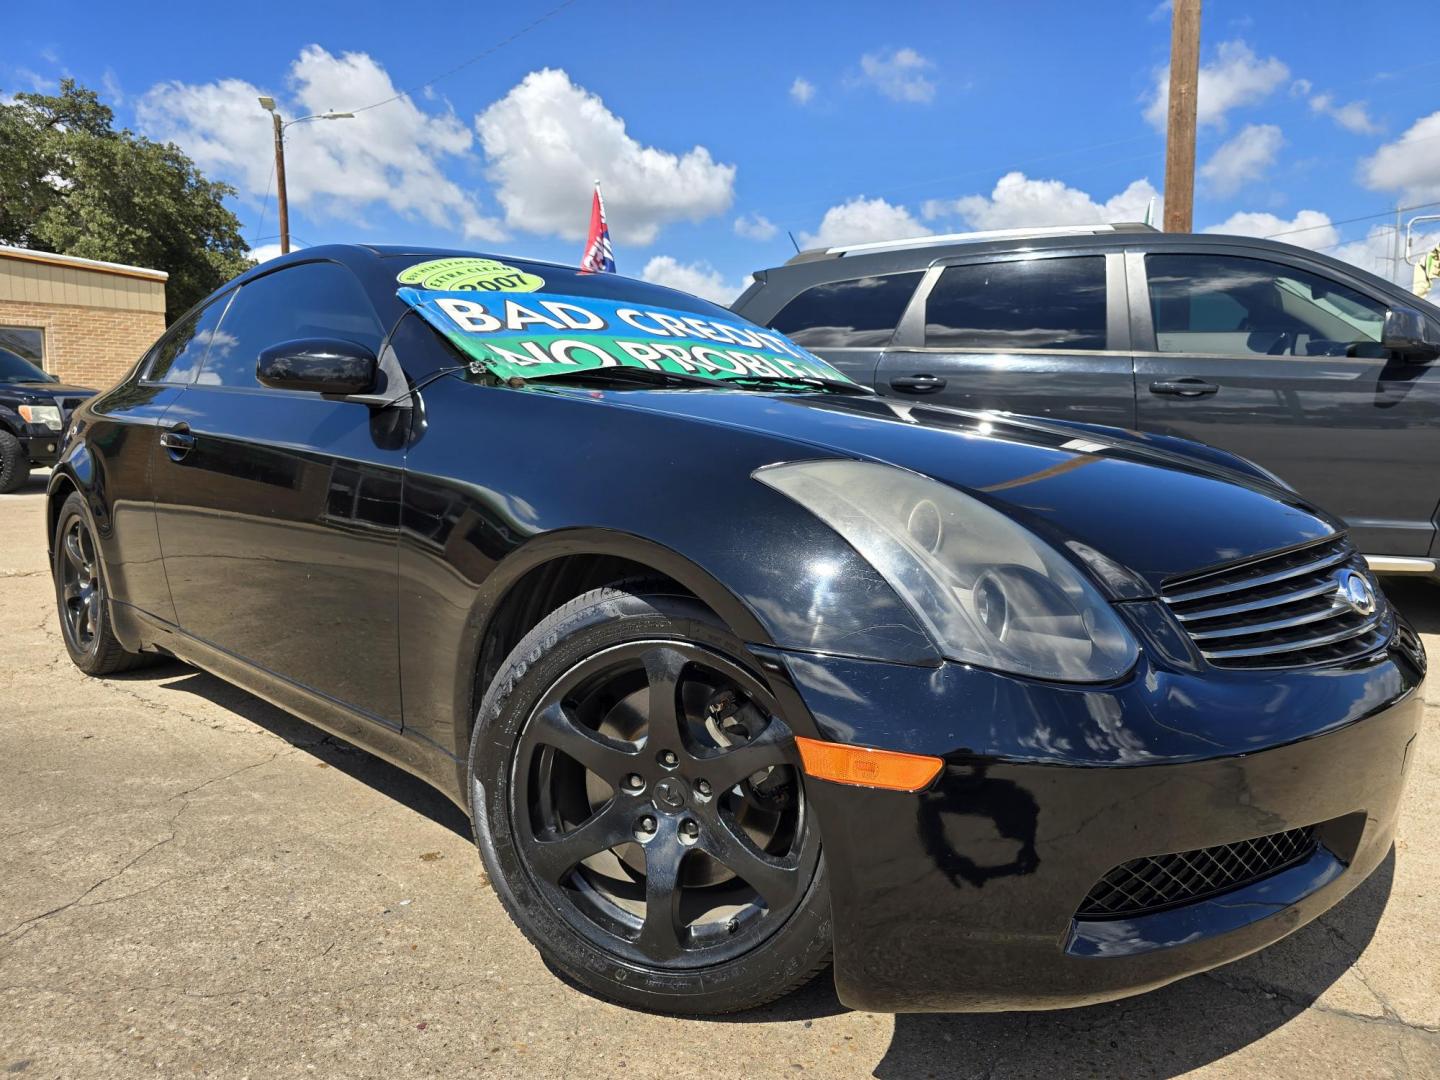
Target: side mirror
{"type": "Point", "coordinates": [324, 365]}
{"type": "Point", "coordinates": [1409, 333]}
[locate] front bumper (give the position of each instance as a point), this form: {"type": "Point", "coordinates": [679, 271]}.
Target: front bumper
{"type": "Point", "coordinates": [42, 450]}
{"type": "Point", "coordinates": [963, 896]}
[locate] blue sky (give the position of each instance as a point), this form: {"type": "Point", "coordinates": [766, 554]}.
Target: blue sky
{"type": "Point", "coordinates": [717, 128]}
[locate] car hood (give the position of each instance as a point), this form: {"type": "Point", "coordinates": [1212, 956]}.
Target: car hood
{"type": "Point", "coordinates": [44, 390]}
{"type": "Point", "coordinates": [1158, 510]}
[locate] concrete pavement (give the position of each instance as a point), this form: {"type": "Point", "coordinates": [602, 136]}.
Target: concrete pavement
{"type": "Point", "coordinates": [193, 882]}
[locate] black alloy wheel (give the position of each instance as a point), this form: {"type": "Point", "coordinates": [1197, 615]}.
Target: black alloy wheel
{"type": "Point", "coordinates": [81, 593]}
{"type": "Point", "coordinates": [79, 575]}
{"type": "Point", "coordinates": [655, 805]}
{"type": "Point", "coordinates": [653, 836]}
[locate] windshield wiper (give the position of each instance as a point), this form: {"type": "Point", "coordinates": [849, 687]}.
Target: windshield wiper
{"type": "Point", "coordinates": [765, 382]}
{"type": "Point", "coordinates": [638, 375]}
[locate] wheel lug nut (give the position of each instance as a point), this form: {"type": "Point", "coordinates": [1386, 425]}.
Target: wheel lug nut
{"type": "Point", "coordinates": [690, 829]}
{"type": "Point", "coordinates": [668, 759]}
{"type": "Point", "coordinates": [633, 782]}
{"type": "Point", "coordinates": [647, 824]}
{"type": "Point", "coordinates": [703, 787]}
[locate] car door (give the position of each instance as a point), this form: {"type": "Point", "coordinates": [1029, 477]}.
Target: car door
{"type": "Point", "coordinates": [849, 322]}
{"type": "Point", "coordinates": [278, 510]}
{"type": "Point", "coordinates": [1044, 334]}
{"type": "Point", "coordinates": [122, 442]}
{"type": "Point", "coordinates": [1281, 363]}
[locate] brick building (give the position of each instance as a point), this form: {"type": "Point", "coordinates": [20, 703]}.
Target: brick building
{"type": "Point", "coordinates": [83, 321]}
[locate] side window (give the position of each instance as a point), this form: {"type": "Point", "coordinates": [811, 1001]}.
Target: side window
{"type": "Point", "coordinates": [178, 356]}
{"type": "Point", "coordinates": [1251, 307]}
{"type": "Point", "coordinates": [1024, 304]}
{"type": "Point", "coordinates": [859, 313]}
{"type": "Point", "coordinates": [311, 300]}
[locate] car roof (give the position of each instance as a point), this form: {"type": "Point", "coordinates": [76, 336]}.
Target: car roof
{"type": "Point", "coordinates": [819, 266]}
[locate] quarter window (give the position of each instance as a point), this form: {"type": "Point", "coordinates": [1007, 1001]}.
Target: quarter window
{"type": "Point", "coordinates": [312, 300]}
{"type": "Point", "coordinates": [1052, 304]}
{"type": "Point", "coordinates": [1252, 307]}
{"type": "Point", "coordinates": [859, 313]}
{"type": "Point", "coordinates": [178, 357]}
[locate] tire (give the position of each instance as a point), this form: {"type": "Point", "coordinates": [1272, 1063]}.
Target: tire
{"type": "Point", "coordinates": [14, 465]}
{"type": "Point", "coordinates": [584, 921]}
{"type": "Point", "coordinates": [81, 597]}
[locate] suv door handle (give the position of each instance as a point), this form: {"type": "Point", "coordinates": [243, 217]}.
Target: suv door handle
{"type": "Point", "coordinates": [178, 441]}
{"type": "Point", "coordinates": [1184, 387]}
{"type": "Point", "coordinates": [917, 384]}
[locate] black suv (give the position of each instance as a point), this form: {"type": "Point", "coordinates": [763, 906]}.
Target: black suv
{"type": "Point", "coordinates": [34, 408]}
{"type": "Point", "coordinates": [1308, 366]}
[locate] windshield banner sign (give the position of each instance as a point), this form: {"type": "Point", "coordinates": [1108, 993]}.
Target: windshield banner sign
{"type": "Point", "coordinates": [545, 334]}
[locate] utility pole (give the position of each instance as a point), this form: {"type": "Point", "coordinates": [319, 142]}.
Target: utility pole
{"type": "Point", "coordinates": [281, 199]}
{"type": "Point", "coordinates": [282, 203]}
{"type": "Point", "coordinates": [1180, 129]}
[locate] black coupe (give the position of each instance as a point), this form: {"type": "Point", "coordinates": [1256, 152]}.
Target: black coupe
{"type": "Point", "coordinates": [738, 668]}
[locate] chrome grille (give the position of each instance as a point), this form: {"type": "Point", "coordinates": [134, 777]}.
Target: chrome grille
{"type": "Point", "coordinates": [1283, 610]}
{"type": "Point", "coordinates": [1151, 884]}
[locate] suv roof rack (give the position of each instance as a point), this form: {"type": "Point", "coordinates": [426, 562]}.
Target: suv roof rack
{"type": "Point", "coordinates": [967, 238]}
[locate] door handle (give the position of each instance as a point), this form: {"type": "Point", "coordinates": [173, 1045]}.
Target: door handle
{"type": "Point", "coordinates": [917, 384]}
{"type": "Point", "coordinates": [1184, 387]}
{"type": "Point", "coordinates": [178, 441]}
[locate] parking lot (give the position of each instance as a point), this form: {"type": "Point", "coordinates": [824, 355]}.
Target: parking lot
{"type": "Point", "coordinates": [196, 883]}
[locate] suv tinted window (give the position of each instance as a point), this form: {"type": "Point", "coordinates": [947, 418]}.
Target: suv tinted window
{"type": "Point", "coordinates": [857, 313]}
{"type": "Point", "coordinates": [1027, 304]}
{"type": "Point", "coordinates": [1251, 307]}
{"type": "Point", "coordinates": [178, 356]}
{"type": "Point", "coordinates": [312, 300]}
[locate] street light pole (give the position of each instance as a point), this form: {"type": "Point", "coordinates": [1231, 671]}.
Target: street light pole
{"type": "Point", "coordinates": [281, 199]}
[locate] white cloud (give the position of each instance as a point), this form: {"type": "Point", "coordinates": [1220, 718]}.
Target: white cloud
{"type": "Point", "coordinates": [391, 156]}
{"type": "Point", "coordinates": [1242, 159]}
{"type": "Point", "coordinates": [1308, 228]}
{"type": "Point", "coordinates": [802, 90]}
{"type": "Point", "coordinates": [266, 252]}
{"type": "Point", "coordinates": [863, 220]}
{"type": "Point", "coordinates": [1410, 164]}
{"type": "Point", "coordinates": [1018, 202]}
{"type": "Point", "coordinates": [1235, 78]}
{"type": "Point", "coordinates": [1353, 116]}
{"type": "Point", "coordinates": [755, 227]}
{"type": "Point", "coordinates": [1375, 253]}
{"type": "Point", "coordinates": [899, 74]}
{"type": "Point", "coordinates": [548, 139]}
{"type": "Point", "coordinates": [698, 278]}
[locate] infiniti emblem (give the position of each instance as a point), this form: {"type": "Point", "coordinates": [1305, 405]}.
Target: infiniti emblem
{"type": "Point", "coordinates": [670, 794]}
{"type": "Point", "coordinates": [1354, 590]}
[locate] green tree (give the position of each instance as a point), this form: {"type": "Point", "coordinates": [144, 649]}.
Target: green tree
{"type": "Point", "coordinates": [72, 184]}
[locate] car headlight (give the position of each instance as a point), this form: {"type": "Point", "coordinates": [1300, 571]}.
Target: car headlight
{"type": "Point", "coordinates": [989, 591]}
{"type": "Point", "coordinates": [44, 415]}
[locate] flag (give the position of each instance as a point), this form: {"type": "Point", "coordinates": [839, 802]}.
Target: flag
{"type": "Point", "coordinates": [598, 257]}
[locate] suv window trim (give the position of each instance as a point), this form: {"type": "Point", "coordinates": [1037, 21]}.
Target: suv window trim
{"type": "Point", "coordinates": [1143, 322]}
{"type": "Point", "coordinates": [909, 335]}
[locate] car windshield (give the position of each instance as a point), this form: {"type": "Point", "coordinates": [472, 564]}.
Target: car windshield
{"type": "Point", "coordinates": [17, 369]}
{"type": "Point", "coordinates": [534, 321]}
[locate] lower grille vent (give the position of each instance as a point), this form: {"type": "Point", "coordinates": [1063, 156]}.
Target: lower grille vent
{"type": "Point", "coordinates": [1141, 886]}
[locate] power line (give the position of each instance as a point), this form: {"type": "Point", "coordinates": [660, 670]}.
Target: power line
{"type": "Point", "coordinates": [1351, 221]}
{"type": "Point", "coordinates": [474, 59]}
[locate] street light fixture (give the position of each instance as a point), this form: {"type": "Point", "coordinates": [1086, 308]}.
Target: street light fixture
{"type": "Point", "coordinates": [268, 104]}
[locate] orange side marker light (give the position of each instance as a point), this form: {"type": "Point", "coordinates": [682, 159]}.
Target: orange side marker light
{"type": "Point", "coordinates": [864, 767]}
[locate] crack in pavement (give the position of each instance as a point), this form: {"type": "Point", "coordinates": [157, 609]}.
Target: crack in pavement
{"type": "Point", "coordinates": [1251, 985]}
{"type": "Point", "coordinates": [20, 929]}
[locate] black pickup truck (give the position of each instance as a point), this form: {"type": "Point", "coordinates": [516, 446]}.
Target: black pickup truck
{"type": "Point", "coordinates": [34, 408]}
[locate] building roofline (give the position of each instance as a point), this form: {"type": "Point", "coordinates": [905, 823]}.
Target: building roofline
{"type": "Point", "coordinates": [52, 259]}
